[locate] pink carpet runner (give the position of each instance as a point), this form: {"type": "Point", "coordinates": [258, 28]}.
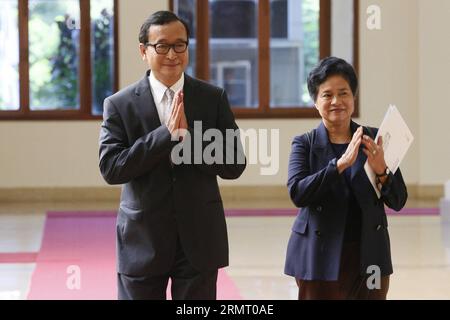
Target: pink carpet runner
{"type": "Point", "coordinates": [77, 260]}
{"type": "Point", "coordinates": [293, 212]}
{"type": "Point", "coordinates": [81, 246]}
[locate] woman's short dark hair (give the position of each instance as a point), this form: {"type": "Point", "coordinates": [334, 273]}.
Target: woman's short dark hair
{"type": "Point", "coordinates": [160, 18]}
{"type": "Point", "coordinates": [328, 67]}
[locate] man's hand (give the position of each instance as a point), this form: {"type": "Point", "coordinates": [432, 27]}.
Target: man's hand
{"type": "Point", "coordinates": [177, 120]}
{"type": "Point", "coordinates": [183, 121]}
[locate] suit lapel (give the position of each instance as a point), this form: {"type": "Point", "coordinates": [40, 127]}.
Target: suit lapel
{"type": "Point", "coordinates": [147, 108]}
{"type": "Point", "coordinates": [189, 100]}
{"type": "Point", "coordinates": [146, 104]}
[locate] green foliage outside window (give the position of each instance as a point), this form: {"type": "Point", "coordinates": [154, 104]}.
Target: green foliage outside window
{"type": "Point", "coordinates": [54, 59]}
{"type": "Point", "coordinates": [64, 66]}
{"type": "Point", "coordinates": [311, 40]}
{"type": "Point", "coordinates": [103, 75]}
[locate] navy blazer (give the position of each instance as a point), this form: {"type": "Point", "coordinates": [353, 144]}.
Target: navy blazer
{"type": "Point", "coordinates": [161, 202]}
{"type": "Point", "coordinates": [321, 193]}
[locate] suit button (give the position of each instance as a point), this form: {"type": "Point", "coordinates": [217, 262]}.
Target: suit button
{"type": "Point", "coordinates": [319, 208]}
{"type": "Point", "coordinates": [318, 233]}
{"type": "Point", "coordinates": [378, 227]}
{"type": "Point", "coordinates": [174, 178]}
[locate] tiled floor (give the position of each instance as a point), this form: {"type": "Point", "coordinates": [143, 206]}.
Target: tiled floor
{"type": "Point", "coordinates": [420, 251]}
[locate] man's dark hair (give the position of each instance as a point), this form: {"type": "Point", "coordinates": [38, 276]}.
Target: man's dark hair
{"type": "Point", "coordinates": [328, 67]}
{"type": "Point", "coordinates": [160, 18]}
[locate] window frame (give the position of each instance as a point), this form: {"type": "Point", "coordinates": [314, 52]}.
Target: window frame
{"type": "Point", "coordinates": [264, 110]}
{"type": "Point", "coordinates": [85, 70]}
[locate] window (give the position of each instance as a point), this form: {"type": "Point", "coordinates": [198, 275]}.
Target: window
{"type": "Point", "coordinates": [60, 58]}
{"type": "Point", "coordinates": [261, 51]}
{"type": "Point", "coordinates": [9, 56]}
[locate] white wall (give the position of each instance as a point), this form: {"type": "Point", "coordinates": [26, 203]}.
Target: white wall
{"type": "Point", "coordinates": [434, 84]}
{"type": "Point", "coordinates": [49, 154]}
{"type": "Point", "coordinates": [131, 16]}
{"type": "Point", "coordinates": [407, 62]}
{"type": "Point", "coordinates": [389, 71]}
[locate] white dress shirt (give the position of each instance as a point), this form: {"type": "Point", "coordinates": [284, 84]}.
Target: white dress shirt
{"type": "Point", "coordinates": [158, 91]}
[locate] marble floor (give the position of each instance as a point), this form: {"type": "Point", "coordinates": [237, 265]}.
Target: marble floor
{"type": "Point", "coordinates": [420, 250]}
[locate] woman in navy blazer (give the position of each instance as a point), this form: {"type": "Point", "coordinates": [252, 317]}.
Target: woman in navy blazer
{"type": "Point", "coordinates": [339, 247]}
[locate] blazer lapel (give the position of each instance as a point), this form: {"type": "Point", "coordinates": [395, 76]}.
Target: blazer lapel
{"type": "Point", "coordinates": [321, 147]}
{"type": "Point", "coordinates": [324, 153]}
{"type": "Point", "coordinates": [146, 104]}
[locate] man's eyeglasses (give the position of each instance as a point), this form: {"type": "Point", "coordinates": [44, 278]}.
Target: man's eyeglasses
{"type": "Point", "coordinates": [163, 48]}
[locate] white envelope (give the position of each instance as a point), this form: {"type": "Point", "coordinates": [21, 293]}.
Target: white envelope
{"type": "Point", "coordinates": [397, 138]}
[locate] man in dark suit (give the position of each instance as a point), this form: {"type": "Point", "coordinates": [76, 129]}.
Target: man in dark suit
{"type": "Point", "coordinates": [171, 222]}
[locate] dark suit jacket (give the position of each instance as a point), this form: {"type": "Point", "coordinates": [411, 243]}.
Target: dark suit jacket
{"type": "Point", "coordinates": [314, 184]}
{"type": "Point", "coordinates": [160, 201]}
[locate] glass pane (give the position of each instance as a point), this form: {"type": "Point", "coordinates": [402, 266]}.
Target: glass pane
{"type": "Point", "coordinates": [185, 9]}
{"type": "Point", "coordinates": [54, 31]}
{"type": "Point", "coordinates": [9, 55]}
{"type": "Point", "coordinates": [234, 50]}
{"type": "Point", "coordinates": [294, 50]}
{"type": "Point", "coordinates": [102, 52]}
{"type": "Point", "coordinates": [342, 36]}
